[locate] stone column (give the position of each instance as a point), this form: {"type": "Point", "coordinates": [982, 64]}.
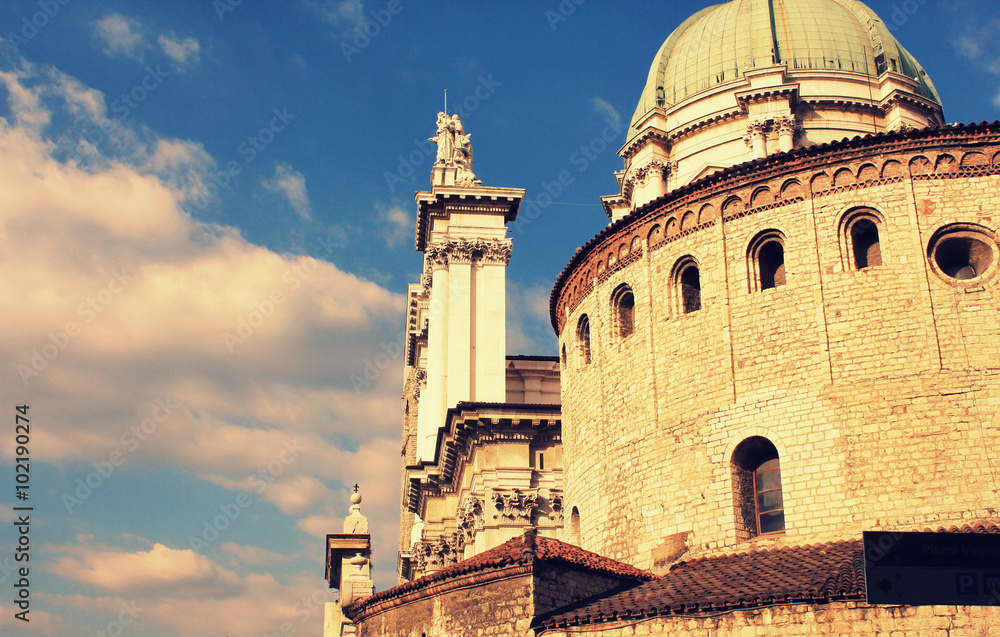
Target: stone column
{"type": "Point", "coordinates": [655, 186]}
{"type": "Point", "coordinates": [756, 139]}
{"type": "Point", "coordinates": [786, 132]}
{"type": "Point", "coordinates": [459, 323]}
{"type": "Point", "coordinates": [489, 342]}
{"type": "Point", "coordinates": [433, 399]}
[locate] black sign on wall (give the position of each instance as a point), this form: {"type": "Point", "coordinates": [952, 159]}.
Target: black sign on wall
{"type": "Point", "coordinates": [932, 568]}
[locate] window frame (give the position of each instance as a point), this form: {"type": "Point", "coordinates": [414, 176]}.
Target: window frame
{"type": "Point", "coordinates": [848, 250]}
{"type": "Point", "coordinates": [755, 271]}
{"type": "Point", "coordinates": [623, 315]}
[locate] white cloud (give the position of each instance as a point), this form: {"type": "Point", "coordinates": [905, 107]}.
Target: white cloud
{"type": "Point", "coordinates": [528, 327]}
{"type": "Point", "coordinates": [264, 607]}
{"type": "Point", "coordinates": [179, 573]}
{"type": "Point", "coordinates": [396, 225]}
{"type": "Point", "coordinates": [180, 51]}
{"type": "Point", "coordinates": [292, 184]}
{"type": "Point", "coordinates": [607, 111]}
{"type": "Point", "coordinates": [977, 41]}
{"type": "Point", "coordinates": [151, 294]}
{"type": "Point", "coordinates": [345, 16]}
{"type": "Point", "coordinates": [121, 36]}
{"type": "Point", "coordinates": [253, 555]}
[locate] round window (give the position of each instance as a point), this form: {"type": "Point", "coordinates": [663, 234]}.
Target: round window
{"type": "Point", "coordinates": [963, 252]}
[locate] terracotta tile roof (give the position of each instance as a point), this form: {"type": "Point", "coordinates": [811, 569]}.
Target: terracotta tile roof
{"type": "Point", "coordinates": [975, 527]}
{"type": "Point", "coordinates": [524, 551]}
{"type": "Point", "coordinates": [817, 573]}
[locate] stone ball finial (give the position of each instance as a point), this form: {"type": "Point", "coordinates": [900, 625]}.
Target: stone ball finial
{"type": "Point", "coordinates": [355, 498]}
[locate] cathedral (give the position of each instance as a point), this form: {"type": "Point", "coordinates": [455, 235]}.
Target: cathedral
{"type": "Point", "coordinates": [786, 337]}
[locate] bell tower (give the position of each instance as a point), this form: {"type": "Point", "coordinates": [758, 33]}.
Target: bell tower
{"type": "Point", "coordinates": [456, 341]}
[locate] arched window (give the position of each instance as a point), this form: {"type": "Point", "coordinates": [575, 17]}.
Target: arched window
{"type": "Point", "coordinates": [766, 260]}
{"type": "Point", "coordinates": [583, 338]}
{"type": "Point", "coordinates": [757, 496]}
{"type": "Point", "coordinates": [574, 527]}
{"type": "Point", "coordinates": [687, 282]}
{"type": "Point", "coordinates": [861, 238]}
{"type": "Point", "coordinates": [623, 305]}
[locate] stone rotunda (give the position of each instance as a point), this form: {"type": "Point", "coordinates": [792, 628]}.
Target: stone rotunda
{"type": "Point", "coordinates": [787, 335]}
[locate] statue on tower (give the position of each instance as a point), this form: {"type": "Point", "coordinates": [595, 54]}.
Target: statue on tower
{"type": "Point", "coordinates": [454, 152]}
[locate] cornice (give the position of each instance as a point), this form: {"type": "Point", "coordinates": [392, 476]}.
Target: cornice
{"type": "Point", "coordinates": [774, 165]}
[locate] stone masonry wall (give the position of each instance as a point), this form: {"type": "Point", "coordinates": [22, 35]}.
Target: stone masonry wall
{"type": "Point", "coordinates": [498, 608]}
{"type": "Point", "coordinates": [880, 387]}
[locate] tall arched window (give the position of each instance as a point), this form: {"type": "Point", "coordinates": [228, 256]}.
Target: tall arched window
{"type": "Point", "coordinates": [861, 235]}
{"type": "Point", "coordinates": [583, 338]}
{"type": "Point", "coordinates": [623, 305]}
{"type": "Point", "coordinates": [574, 527]}
{"type": "Point", "coordinates": [687, 283]}
{"type": "Point", "coordinates": [757, 495]}
{"type": "Point", "coordinates": [766, 260]}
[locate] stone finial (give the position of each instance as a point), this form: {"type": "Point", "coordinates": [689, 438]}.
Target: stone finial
{"type": "Point", "coordinates": [356, 523]}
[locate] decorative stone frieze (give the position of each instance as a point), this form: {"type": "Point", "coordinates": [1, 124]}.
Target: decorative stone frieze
{"type": "Point", "coordinates": [468, 251]}
{"type": "Point", "coordinates": [470, 519]}
{"type": "Point", "coordinates": [556, 504]}
{"type": "Point", "coordinates": [515, 506]}
{"type": "Point", "coordinates": [436, 256]}
{"type": "Point", "coordinates": [756, 132]}
{"type": "Point", "coordinates": [787, 124]}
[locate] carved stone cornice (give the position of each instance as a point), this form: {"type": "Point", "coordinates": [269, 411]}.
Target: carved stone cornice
{"type": "Point", "coordinates": [515, 505]}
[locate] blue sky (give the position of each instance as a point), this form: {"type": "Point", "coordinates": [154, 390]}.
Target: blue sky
{"type": "Point", "coordinates": [207, 231]}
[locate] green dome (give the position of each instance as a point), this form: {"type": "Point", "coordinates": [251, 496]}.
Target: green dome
{"type": "Point", "coordinates": [717, 44]}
